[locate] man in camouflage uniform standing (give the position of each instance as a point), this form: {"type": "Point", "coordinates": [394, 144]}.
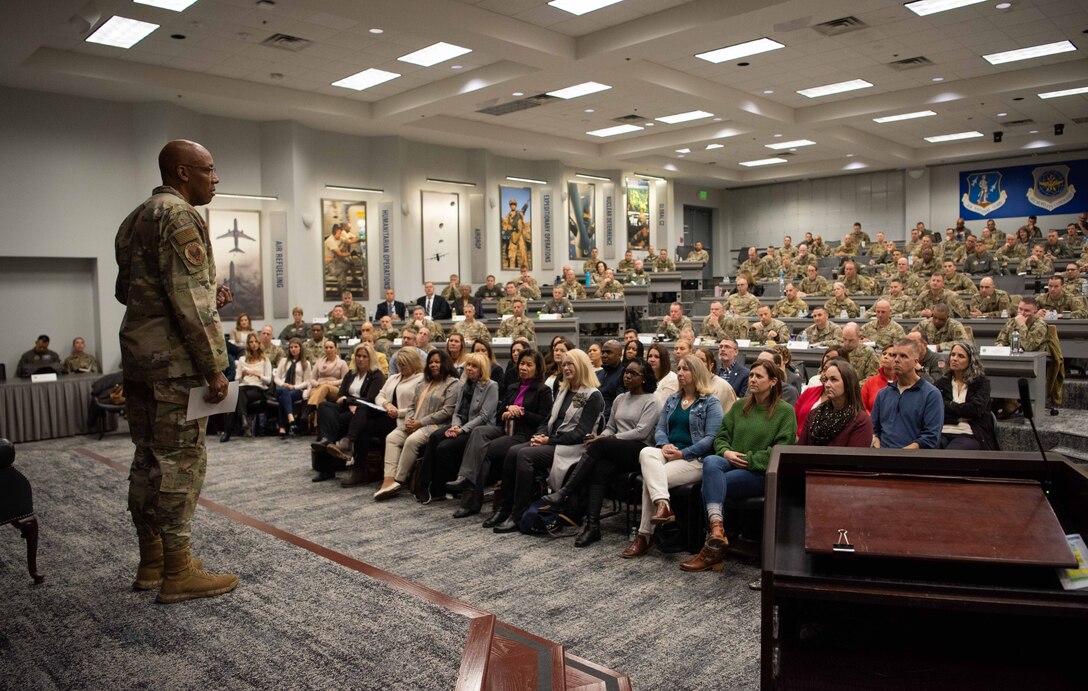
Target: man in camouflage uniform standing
{"type": "Point", "coordinates": [171, 342]}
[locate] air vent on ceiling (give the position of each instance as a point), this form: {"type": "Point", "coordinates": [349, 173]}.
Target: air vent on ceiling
{"type": "Point", "coordinates": [286, 42]}
{"type": "Point", "coordinates": [1081, 121]}
{"type": "Point", "coordinates": [627, 119]}
{"type": "Point", "coordinates": [838, 27]}
{"type": "Point", "coordinates": [516, 106]}
{"type": "Point", "coordinates": [910, 63]}
{"type": "Point", "coordinates": [784, 154]}
{"type": "Point", "coordinates": [1019, 123]}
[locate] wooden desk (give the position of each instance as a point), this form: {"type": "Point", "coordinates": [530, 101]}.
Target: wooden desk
{"type": "Point", "coordinates": [835, 622]}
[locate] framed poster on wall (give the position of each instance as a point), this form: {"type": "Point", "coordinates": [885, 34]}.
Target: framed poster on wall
{"type": "Point", "coordinates": [440, 216]}
{"type": "Point", "coordinates": [516, 228]}
{"type": "Point", "coordinates": [236, 244]}
{"type": "Point", "coordinates": [580, 217]}
{"type": "Point", "coordinates": [343, 255]}
{"type": "Point", "coordinates": [638, 214]}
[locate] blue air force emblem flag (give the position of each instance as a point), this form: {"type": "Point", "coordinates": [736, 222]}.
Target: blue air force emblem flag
{"type": "Point", "coordinates": [1052, 187]}
{"type": "Point", "coordinates": [984, 194]}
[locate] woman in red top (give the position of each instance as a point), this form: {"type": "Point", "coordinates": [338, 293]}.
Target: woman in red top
{"type": "Point", "coordinates": [813, 395]}
{"type": "Point", "coordinates": [842, 420]}
{"type": "Point", "coordinates": [878, 381]}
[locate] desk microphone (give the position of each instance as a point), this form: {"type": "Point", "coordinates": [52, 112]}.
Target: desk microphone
{"type": "Point", "coordinates": [1025, 407]}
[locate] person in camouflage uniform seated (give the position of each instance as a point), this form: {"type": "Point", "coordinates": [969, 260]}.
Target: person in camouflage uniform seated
{"type": "Point", "coordinates": [79, 360]}
{"type": "Point", "coordinates": [418, 319]}
{"type": "Point", "coordinates": [752, 266]}
{"type": "Point", "coordinates": [470, 328]}
{"type": "Point", "coordinates": [862, 357]}
{"type": "Point", "coordinates": [559, 304]}
{"type": "Point", "coordinates": [813, 284]}
{"type": "Point", "coordinates": [839, 303]}
{"type": "Point", "coordinates": [1059, 300]}
{"type": "Point", "coordinates": [857, 284]}
{"type": "Point", "coordinates": [609, 288]}
{"type": "Point", "coordinates": [699, 254]}
{"type": "Point", "coordinates": [957, 282]}
{"type": "Point", "coordinates": [791, 305]}
{"type": "Point", "coordinates": [354, 312]}
{"type": "Point", "coordinates": [940, 329]}
{"type": "Point", "coordinates": [314, 348]}
{"type": "Point", "coordinates": [742, 303]}
{"type": "Point", "coordinates": [882, 330]}
{"type": "Point", "coordinates": [674, 322]}
{"type": "Point", "coordinates": [1037, 264]}
{"type": "Point", "coordinates": [767, 329]}
{"type": "Point", "coordinates": [902, 305]}
{"type": "Point", "coordinates": [990, 301]}
{"type": "Point", "coordinates": [717, 326]}
{"type": "Point", "coordinates": [823, 331]}
{"type": "Point", "coordinates": [663, 262]}
{"type": "Point", "coordinates": [517, 326]}
{"type": "Point", "coordinates": [338, 327]}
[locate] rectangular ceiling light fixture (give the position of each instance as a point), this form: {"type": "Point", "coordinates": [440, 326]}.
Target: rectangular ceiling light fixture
{"type": "Point", "coordinates": [121, 32]}
{"type": "Point", "coordinates": [587, 176]}
{"type": "Point", "coordinates": [351, 188]}
{"type": "Point", "coordinates": [904, 116]}
{"type": "Point", "coordinates": [647, 176]}
{"type": "Point", "coordinates": [434, 54]}
{"type": "Point", "coordinates": [366, 79]}
{"type": "Point", "coordinates": [1029, 53]}
{"type": "Point", "coordinates": [740, 50]}
{"type": "Point", "coordinates": [579, 90]}
{"type": "Point", "coordinates": [613, 131]}
{"type": "Point", "coordinates": [829, 89]}
{"type": "Point", "coordinates": [779, 146]}
{"type": "Point", "coordinates": [685, 150]}
{"type": "Point", "coordinates": [580, 7]}
{"type": "Point", "coordinates": [1064, 92]}
{"type": "Point", "coordinates": [534, 181]}
{"type": "Point", "coordinates": [763, 162]}
{"type": "Point", "coordinates": [258, 197]}
{"type": "Point", "coordinates": [175, 5]}
{"type": "Point", "coordinates": [925, 7]}
{"type": "Point", "coordinates": [711, 147]}
{"type": "Point", "coordinates": [954, 137]}
{"type": "Point", "coordinates": [685, 117]}
{"type": "Point", "coordinates": [452, 182]}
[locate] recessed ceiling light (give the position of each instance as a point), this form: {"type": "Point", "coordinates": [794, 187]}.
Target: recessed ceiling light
{"type": "Point", "coordinates": [1003, 5]}
{"type": "Point", "coordinates": [776, 136]}
{"type": "Point", "coordinates": [777, 146]}
{"type": "Point", "coordinates": [175, 5]}
{"type": "Point", "coordinates": [1064, 92]}
{"type": "Point", "coordinates": [711, 147]}
{"type": "Point", "coordinates": [680, 156]}
{"type": "Point", "coordinates": [740, 50]}
{"type": "Point", "coordinates": [904, 116]}
{"type": "Point", "coordinates": [457, 67]}
{"type": "Point", "coordinates": [829, 89]}
{"type": "Point", "coordinates": [365, 79]}
{"type": "Point", "coordinates": [648, 124]}
{"type": "Point", "coordinates": [518, 93]}
{"type": "Point", "coordinates": [717, 120]}
{"type": "Point", "coordinates": [937, 79]}
{"type": "Point", "coordinates": [613, 131]}
{"type": "Point", "coordinates": [849, 155]}
{"type": "Point", "coordinates": [924, 7]}
{"type": "Point", "coordinates": [534, 181]}
{"type": "Point", "coordinates": [577, 90]}
{"type": "Point", "coordinates": [683, 151]}
{"type": "Point", "coordinates": [434, 54]}
{"type": "Point", "coordinates": [1029, 53]}
{"type": "Point", "coordinates": [580, 7]}
{"type": "Point", "coordinates": [1033, 131]}
{"type": "Point", "coordinates": [685, 117]}
{"type": "Point", "coordinates": [954, 137]}
{"type": "Point", "coordinates": [121, 32]}
{"type": "Point", "coordinates": [1001, 115]}
{"type": "Point", "coordinates": [768, 91]}
{"type": "Point", "coordinates": [589, 110]}
{"type": "Point", "coordinates": [376, 30]}
{"type": "Point", "coordinates": [762, 162]}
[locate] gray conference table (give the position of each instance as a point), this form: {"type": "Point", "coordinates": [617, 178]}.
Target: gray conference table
{"type": "Point", "coordinates": [46, 410]}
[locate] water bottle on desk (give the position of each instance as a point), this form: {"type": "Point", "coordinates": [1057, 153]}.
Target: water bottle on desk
{"type": "Point", "coordinates": [1014, 344]}
{"type": "Point", "coordinates": [781, 282]}
{"type": "Point", "coordinates": [589, 280]}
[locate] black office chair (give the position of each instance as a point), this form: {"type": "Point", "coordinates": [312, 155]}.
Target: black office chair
{"type": "Point", "coordinates": [100, 407]}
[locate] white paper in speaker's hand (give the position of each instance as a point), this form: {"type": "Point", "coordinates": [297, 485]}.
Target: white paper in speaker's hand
{"type": "Point", "coordinates": [199, 408]}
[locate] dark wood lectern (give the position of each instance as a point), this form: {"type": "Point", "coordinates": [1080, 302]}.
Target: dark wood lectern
{"type": "Point", "coordinates": [949, 581]}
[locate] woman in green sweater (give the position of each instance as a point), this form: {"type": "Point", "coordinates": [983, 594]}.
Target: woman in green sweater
{"type": "Point", "coordinates": [750, 429]}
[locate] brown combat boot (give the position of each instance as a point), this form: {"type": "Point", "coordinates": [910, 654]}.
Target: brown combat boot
{"type": "Point", "coordinates": [182, 581]}
{"type": "Point", "coordinates": [149, 573]}
{"type": "Point", "coordinates": [708, 559]}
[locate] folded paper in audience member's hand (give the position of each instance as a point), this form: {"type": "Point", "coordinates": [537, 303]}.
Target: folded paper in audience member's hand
{"type": "Point", "coordinates": [199, 408]}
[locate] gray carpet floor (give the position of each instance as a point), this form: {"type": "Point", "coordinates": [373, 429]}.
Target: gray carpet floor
{"type": "Point", "coordinates": [664, 628]}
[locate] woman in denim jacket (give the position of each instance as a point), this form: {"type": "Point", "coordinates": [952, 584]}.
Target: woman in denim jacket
{"type": "Point", "coordinates": [685, 433]}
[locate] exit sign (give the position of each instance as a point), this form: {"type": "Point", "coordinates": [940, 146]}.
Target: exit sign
{"type": "Point", "coordinates": [702, 195]}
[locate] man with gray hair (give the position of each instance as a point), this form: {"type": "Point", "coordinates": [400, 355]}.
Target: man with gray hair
{"type": "Point", "coordinates": [882, 330]}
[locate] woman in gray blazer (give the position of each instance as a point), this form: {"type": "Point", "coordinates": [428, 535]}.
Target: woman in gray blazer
{"type": "Point", "coordinates": [477, 406]}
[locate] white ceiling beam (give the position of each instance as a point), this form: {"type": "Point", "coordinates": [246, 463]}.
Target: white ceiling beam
{"type": "Point", "coordinates": [487, 134]}
{"type": "Point", "coordinates": [447, 94]}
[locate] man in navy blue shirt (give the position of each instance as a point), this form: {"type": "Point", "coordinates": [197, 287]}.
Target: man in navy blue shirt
{"type": "Point", "coordinates": [730, 369]}
{"type": "Point", "coordinates": [611, 373]}
{"type": "Point", "coordinates": [909, 412]}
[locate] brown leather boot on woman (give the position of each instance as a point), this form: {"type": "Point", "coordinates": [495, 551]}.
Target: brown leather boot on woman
{"type": "Point", "coordinates": [663, 514]}
{"type": "Point", "coordinates": [708, 559]}
{"type": "Point", "coordinates": [639, 546]}
{"type": "Point", "coordinates": [717, 536]}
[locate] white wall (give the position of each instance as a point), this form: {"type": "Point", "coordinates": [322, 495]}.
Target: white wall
{"type": "Point", "coordinates": [827, 207]}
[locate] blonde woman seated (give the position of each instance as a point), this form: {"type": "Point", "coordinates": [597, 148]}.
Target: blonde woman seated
{"type": "Point", "coordinates": [435, 399]}
{"type": "Point", "coordinates": [326, 375]}
{"type": "Point", "coordinates": [559, 440]}
{"type": "Point", "coordinates": [724, 392]}
{"type": "Point", "coordinates": [254, 374]}
{"type": "Point", "coordinates": [685, 434]}
{"type": "Point", "coordinates": [742, 448]}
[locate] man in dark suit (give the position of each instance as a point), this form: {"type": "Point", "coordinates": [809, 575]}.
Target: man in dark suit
{"type": "Point", "coordinates": [434, 304]}
{"type": "Point", "coordinates": [731, 368]}
{"type": "Point", "coordinates": [391, 307]}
